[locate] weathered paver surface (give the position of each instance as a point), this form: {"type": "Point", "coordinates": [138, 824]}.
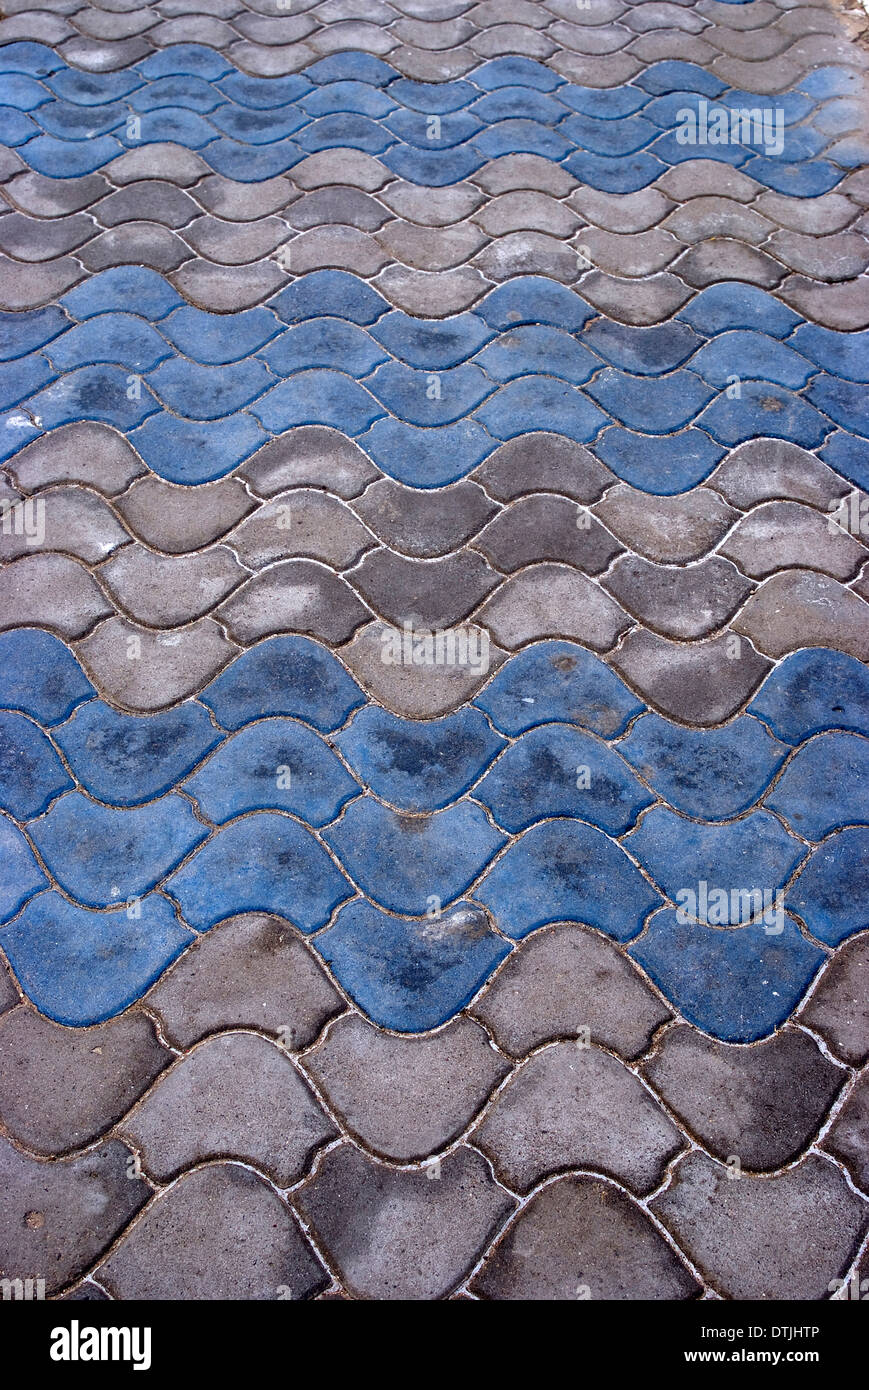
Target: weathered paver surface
{"type": "Point", "coordinates": [434, 625]}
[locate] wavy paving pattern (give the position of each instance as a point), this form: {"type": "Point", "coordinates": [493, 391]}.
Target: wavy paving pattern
{"type": "Point", "coordinates": [433, 650]}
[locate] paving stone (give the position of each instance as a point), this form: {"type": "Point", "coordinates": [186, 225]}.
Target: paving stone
{"type": "Point", "coordinates": [791, 609]}
{"type": "Point", "coordinates": [314, 456]}
{"type": "Point", "coordinates": [763, 1104]}
{"type": "Point", "coordinates": [44, 197]}
{"type": "Point", "coordinates": [402, 1234]}
{"type": "Point", "coordinates": [152, 200]}
{"type": "Point", "coordinates": [580, 1237]}
{"type": "Point", "coordinates": [76, 522]}
{"type": "Point", "coordinates": [220, 1232]}
{"type": "Point", "coordinates": [543, 992]}
{"type": "Point", "coordinates": [577, 1107]}
{"type": "Point", "coordinates": [550, 600]}
{"type": "Point", "coordinates": [83, 1203]}
{"type": "Point", "coordinates": [433, 207]}
{"type": "Point", "coordinates": [158, 161]}
{"type": "Point", "coordinates": [698, 684]}
{"type": "Point", "coordinates": [293, 596]}
{"type": "Point", "coordinates": [524, 171]}
{"type": "Point", "coordinates": [432, 294]}
{"type": "Point", "coordinates": [643, 301]}
{"type": "Point", "coordinates": [405, 1098]}
{"type": "Point", "coordinates": [422, 692]}
{"type": "Point", "coordinates": [732, 1230]}
{"type": "Point", "coordinates": [844, 307]}
{"type": "Point", "coordinates": [302, 522]}
{"type": "Point", "coordinates": [847, 1137]}
{"type": "Point", "coordinates": [169, 666]}
{"type": "Point", "coordinates": [779, 535]}
{"type": "Point", "coordinates": [669, 530]}
{"type": "Point", "coordinates": [813, 216]}
{"type": "Point", "coordinates": [161, 515]}
{"type": "Point", "coordinates": [427, 594]}
{"type": "Point", "coordinates": [63, 1087]}
{"type": "Point", "coordinates": [837, 1007]}
{"type": "Point", "coordinates": [51, 591]}
{"type": "Point", "coordinates": [764, 469]}
{"type": "Point", "coordinates": [682, 603]}
{"type": "Point", "coordinates": [167, 591]}
{"type": "Point", "coordinates": [424, 524]}
{"type": "Point", "coordinates": [226, 289]}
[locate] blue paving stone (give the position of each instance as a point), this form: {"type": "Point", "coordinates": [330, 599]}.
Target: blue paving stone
{"type": "Point", "coordinates": [541, 403]}
{"type": "Point", "coordinates": [323, 343]}
{"type": "Point", "coordinates": [850, 153]}
{"type": "Point", "coordinates": [358, 97]}
{"type": "Point", "coordinates": [215, 339]}
{"type": "Point", "coordinates": [283, 675]}
{"type": "Point", "coordinates": [433, 168]}
{"type": "Point", "coordinates": [40, 675]}
{"type": "Point", "coordinates": [737, 985]}
{"type": "Point", "coordinates": [518, 103]}
{"type": "Point", "coordinates": [824, 785]}
{"type": "Point", "coordinates": [32, 328]}
{"type": "Point", "coordinates": [318, 397]}
{"type": "Point", "coordinates": [534, 299]}
{"type": "Point", "coordinates": [657, 405]}
{"type": "Point", "coordinates": [69, 122]}
{"type": "Point", "coordinates": [24, 93]}
{"type": "Point", "coordinates": [837, 117]}
{"type": "Point", "coordinates": [557, 771]}
{"type": "Point", "coordinates": [622, 174]}
{"type": "Point", "coordinates": [15, 127]}
{"type": "Point", "coordinates": [417, 129]}
{"type": "Point", "coordinates": [68, 159]}
{"type": "Point", "coordinates": [523, 137]}
{"type": "Point", "coordinates": [843, 354]}
{"type": "Point", "coordinates": [191, 93]}
{"type": "Point", "coordinates": [22, 876]}
{"type": "Point", "coordinates": [749, 354]}
{"type": "Point", "coordinates": [431, 345]}
{"type": "Point", "coordinates": [190, 451]}
{"type": "Point", "coordinates": [411, 975]}
{"type": "Point", "coordinates": [208, 393]}
{"type": "Point", "coordinates": [646, 351]}
{"type": "Point", "coordinates": [734, 305]}
{"type": "Point", "coordinates": [105, 854]}
{"type": "Point", "coordinates": [94, 88]}
{"type": "Point", "coordinates": [516, 72]}
{"type": "Point", "coordinates": [33, 774]}
{"type": "Point", "coordinates": [609, 137]}
{"type": "Point", "coordinates": [275, 765]}
{"type": "Point", "coordinates": [670, 150]}
{"type": "Point", "coordinates": [263, 93]}
{"type": "Point", "coordinates": [808, 180]}
{"type": "Point", "coordinates": [415, 398]}
{"type": "Point", "coordinates": [426, 457]}
{"type": "Point", "coordinates": [80, 967]}
{"type": "Point", "coordinates": [170, 124]}
{"type": "Point", "coordinates": [130, 288]}
{"type": "Point", "coordinates": [844, 401]}
{"type": "Point", "coordinates": [126, 758]}
{"type": "Point", "coordinates": [404, 862]}
{"type": "Point", "coordinates": [344, 130]}
{"type": "Point", "coordinates": [418, 765]}
{"type": "Point", "coordinates": [676, 76]}
{"type": "Point", "coordinates": [332, 293]}
{"type": "Point", "coordinates": [558, 681]}
{"type": "Point", "coordinates": [15, 431]}
{"type": "Point", "coordinates": [831, 81]}
{"type": "Point", "coordinates": [351, 67]}
{"type": "Point", "coordinates": [538, 349]}
{"type": "Point", "coordinates": [258, 127]}
{"type": "Point", "coordinates": [185, 59]}
{"type": "Point", "coordinates": [261, 863]}
{"type": "Point", "coordinates": [565, 871]}
{"type": "Point", "coordinates": [19, 379]}
{"type": "Point", "coordinates": [34, 58]}
{"type": "Point", "coordinates": [762, 409]}
{"type": "Point", "coordinates": [799, 144]}
{"type": "Point", "coordinates": [812, 690]}
{"type": "Point", "coordinates": [753, 853]}
{"type": "Point", "coordinates": [663, 465]}
{"type": "Point", "coordinates": [606, 103]}
{"type": "Point", "coordinates": [251, 163]}
{"type": "Point", "coordinates": [849, 456]}
{"type": "Point", "coordinates": [711, 773]}
{"type": "Point", "coordinates": [832, 892]}
{"type": "Point", "coordinates": [116, 337]}
{"type": "Point", "coordinates": [94, 393]}
{"type": "Point", "coordinates": [435, 98]}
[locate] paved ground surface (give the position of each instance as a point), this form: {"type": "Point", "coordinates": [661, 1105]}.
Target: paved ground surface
{"type": "Point", "coordinates": [336, 964]}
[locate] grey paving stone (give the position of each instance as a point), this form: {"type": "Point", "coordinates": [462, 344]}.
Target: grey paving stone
{"type": "Point", "coordinates": [778, 535]}
{"type": "Point", "coordinates": [51, 591]}
{"type": "Point", "coordinates": [767, 78]}
{"type": "Point", "coordinates": [424, 523]}
{"type": "Point", "coordinates": [150, 199]}
{"type": "Point", "coordinates": [512, 172]}
{"type": "Point", "coordinates": [848, 1138]}
{"type": "Point", "coordinates": [698, 683]}
{"type": "Point", "coordinates": [56, 1218]}
{"type": "Point", "coordinates": [293, 596]}
{"type": "Point", "coordinates": [843, 307]}
{"type": "Point", "coordinates": [161, 161]}
{"type": "Point", "coordinates": [838, 256]}
{"type": "Point", "coordinates": [85, 452]}
{"type": "Point", "coordinates": [441, 65]}
{"type": "Point", "coordinates": [301, 522]}
{"type": "Point", "coordinates": [670, 530]}
{"type": "Point", "coordinates": [549, 600]}
{"type": "Point", "coordinates": [60, 1088]}
{"type": "Point", "coordinates": [225, 289]}
{"type": "Point", "coordinates": [434, 34]}
{"type": "Point", "coordinates": [640, 302]}
{"type": "Point", "coordinates": [327, 206]}
{"type": "Point", "coordinates": [244, 202]}
{"type": "Point", "coordinates": [339, 248]}
{"type": "Point", "coordinates": [662, 45]}
{"type": "Point", "coordinates": [724, 259]}
{"type": "Point", "coordinates": [235, 243]}
{"type": "Point", "coordinates": [44, 197]}
{"type": "Point", "coordinates": [8, 992]}
{"type": "Point", "coordinates": [717, 217]}
{"type": "Point", "coordinates": [35, 239]}
{"type": "Point", "coordinates": [164, 516]}
{"type": "Point", "coordinates": [405, 1097]}
{"type": "Point", "coordinates": [697, 178]}
{"type": "Point", "coordinates": [76, 522]}
{"type": "Point", "coordinates": [762, 470]}
{"type": "Point", "coordinates": [763, 1104]}
{"type": "Point", "coordinates": [271, 60]}
{"type": "Point", "coordinates": [433, 207]}
{"type": "Point", "coordinates": [815, 216]}
{"type": "Point", "coordinates": [431, 594]}
{"type": "Point", "coordinates": [417, 692]}
{"type": "Point", "coordinates": [135, 243]}
{"type": "Point", "coordinates": [169, 590]}
{"type": "Point", "coordinates": [527, 211]}
{"type": "Point", "coordinates": [801, 608]}
{"type": "Point", "coordinates": [766, 1237]}
{"type": "Point", "coordinates": [403, 1235]}
{"type": "Point", "coordinates": [431, 248]}
{"type": "Point", "coordinates": [601, 70]}
{"type": "Point", "coordinates": [544, 527]}
{"type": "Point", "coordinates": [142, 670]}
{"type": "Point", "coordinates": [234, 1096]}
{"type": "Point", "coordinates": [543, 463]}
{"type": "Point", "coordinates": [621, 212]}
{"type": "Point", "coordinates": [310, 456]}
{"type": "Point", "coordinates": [640, 253]}
{"type": "Point", "coordinates": [563, 979]}
{"type": "Point", "coordinates": [686, 603]}
{"type": "Point", "coordinates": [577, 1107]}
{"type": "Point", "coordinates": [581, 1238]}
{"type": "Point", "coordinates": [428, 294]}
{"type": "Point", "coordinates": [838, 1007]}
{"type": "Point", "coordinates": [219, 1233]}
{"type": "Point", "coordinates": [29, 286]}
{"type": "Point", "coordinates": [351, 167]}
